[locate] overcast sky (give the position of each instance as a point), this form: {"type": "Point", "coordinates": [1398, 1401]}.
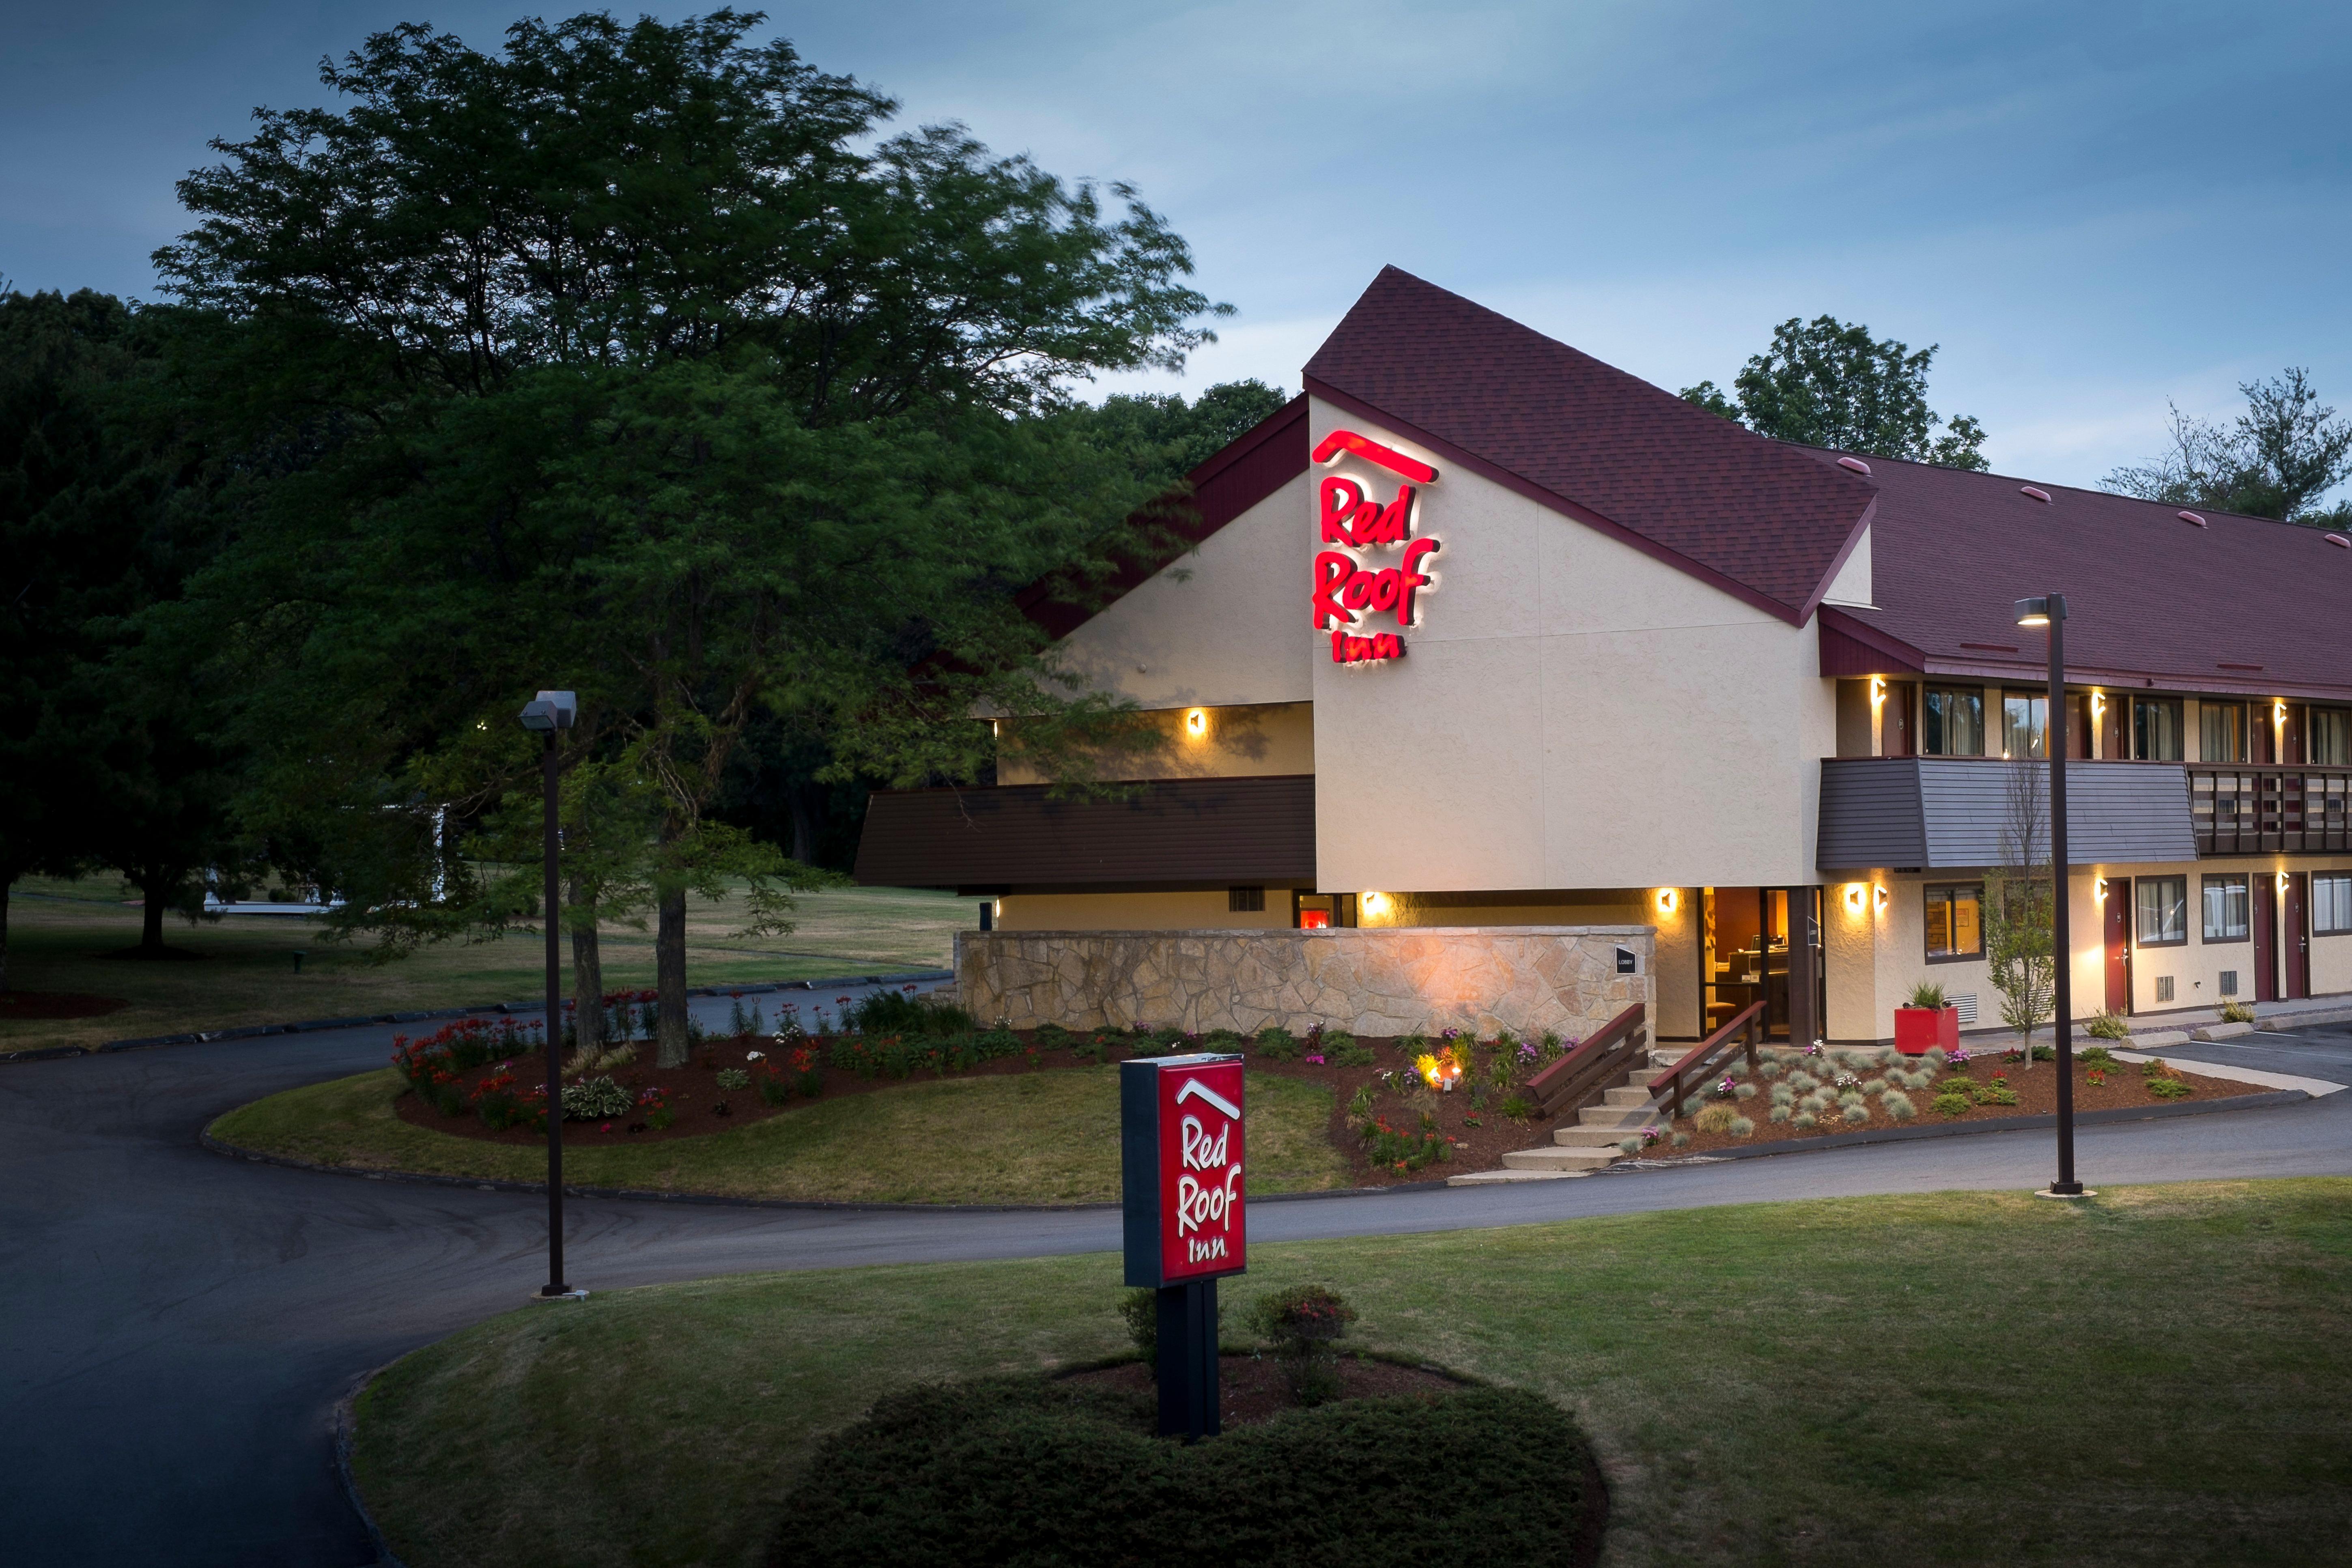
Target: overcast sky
{"type": "Point", "coordinates": [2093, 208]}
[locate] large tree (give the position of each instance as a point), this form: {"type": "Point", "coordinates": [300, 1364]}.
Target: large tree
{"type": "Point", "coordinates": [636, 359]}
{"type": "Point", "coordinates": [1827, 382]}
{"type": "Point", "coordinates": [2278, 458]}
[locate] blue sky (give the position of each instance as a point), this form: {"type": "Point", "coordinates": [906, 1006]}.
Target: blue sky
{"type": "Point", "coordinates": [2093, 208]}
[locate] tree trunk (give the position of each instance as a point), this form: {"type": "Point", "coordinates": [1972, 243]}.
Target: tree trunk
{"type": "Point", "coordinates": [803, 828]}
{"type": "Point", "coordinates": [6, 884]}
{"type": "Point", "coordinates": [669, 980]}
{"type": "Point", "coordinates": [587, 975]}
{"type": "Point", "coordinates": [151, 913]}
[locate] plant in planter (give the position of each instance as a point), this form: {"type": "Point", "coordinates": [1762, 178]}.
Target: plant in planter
{"type": "Point", "coordinates": [1927, 1023]}
{"type": "Point", "coordinates": [1303, 1323]}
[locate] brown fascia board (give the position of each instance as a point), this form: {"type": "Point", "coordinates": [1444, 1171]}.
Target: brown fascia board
{"type": "Point", "coordinates": [1060, 617]}
{"type": "Point", "coordinates": [1488, 469]}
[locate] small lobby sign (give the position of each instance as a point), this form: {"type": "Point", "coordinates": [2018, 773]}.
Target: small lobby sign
{"type": "Point", "coordinates": [1180, 1142]}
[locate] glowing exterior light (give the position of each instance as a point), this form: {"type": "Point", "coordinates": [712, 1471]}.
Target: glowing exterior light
{"type": "Point", "coordinates": [2100, 891]}
{"type": "Point", "coordinates": [1878, 688]}
{"type": "Point", "coordinates": [2032, 612]}
{"type": "Point", "coordinates": [1669, 901]}
{"type": "Point", "coordinates": [1853, 894]}
{"type": "Point", "coordinates": [1878, 897]}
{"type": "Point", "coordinates": [1375, 902]}
{"type": "Point", "coordinates": [1196, 723]}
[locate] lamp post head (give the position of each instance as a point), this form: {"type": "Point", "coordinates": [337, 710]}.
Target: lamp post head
{"type": "Point", "coordinates": [2040, 612]}
{"type": "Point", "coordinates": [551, 710]}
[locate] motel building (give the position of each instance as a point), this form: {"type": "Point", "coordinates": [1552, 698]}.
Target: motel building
{"type": "Point", "coordinates": [1480, 634]}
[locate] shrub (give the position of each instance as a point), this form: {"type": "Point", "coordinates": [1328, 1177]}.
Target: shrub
{"type": "Point", "coordinates": [1517, 1107]}
{"type": "Point", "coordinates": [1401, 1150]}
{"type": "Point", "coordinates": [1030, 1471]}
{"type": "Point", "coordinates": [1054, 1037]}
{"type": "Point", "coordinates": [898, 1013]}
{"type": "Point", "coordinates": [1783, 1095]}
{"type": "Point", "coordinates": [1740, 1127]}
{"type": "Point", "coordinates": [1629, 1146]}
{"type": "Point", "coordinates": [1303, 1323]}
{"type": "Point", "coordinates": [1874, 1086]}
{"type": "Point", "coordinates": [1933, 1056]}
{"type": "Point", "coordinates": [1802, 1081]}
{"type": "Point", "coordinates": [1682, 1140]}
{"type": "Point", "coordinates": [598, 1099]}
{"type": "Point", "coordinates": [1928, 994]}
{"type": "Point", "coordinates": [1743, 1091]}
{"type": "Point", "coordinates": [1279, 1043]}
{"type": "Point", "coordinates": [1342, 1049]}
{"type": "Point", "coordinates": [1857, 1113]}
{"type": "Point", "coordinates": [2110, 1025]}
{"type": "Point", "coordinates": [1716, 1118]}
{"type": "Point", "coordinates": [2237, 1013]}
{"type": "Point", "coordinates": [1692, 1106]}
{"type": "Point", "coordinates": [732, 1079]}
{"type": "Point", "coordinates": [1778, 1113]}
{"type": "Point", "coordinates": [1804, 1120]}
{"type": "Point", "coordinates": [2168, 1088]}
{"type": "Point", "coordinates": [1815, 1102]}
{"type": "Point", "coordinates": [1850, 1098]}
{"type": "Point", "coordinates": [1995, 1094]}
{"type": "Point", "coordinates": [1952, 1104]}
{"type": "Point", "coordinates": [1897, 1105]}
{"type": "Point", "coordinates": [1141, 1309]}
{"type": "Point", "coordinates": [2098, 1057]}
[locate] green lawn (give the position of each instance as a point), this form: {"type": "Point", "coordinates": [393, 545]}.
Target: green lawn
{"type": "Point", "coordinates": [1027, 1138]}
{"type": "Point", "coordinates": [58, 940]}
{"type": "Point", "coordinates": [2156, 1376]}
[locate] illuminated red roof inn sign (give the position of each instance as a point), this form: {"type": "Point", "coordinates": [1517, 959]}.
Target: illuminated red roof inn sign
{"type": "Point", "coordinates": [1185, 1221]}
{"type": "Point", "coordinates": [1351, 523]}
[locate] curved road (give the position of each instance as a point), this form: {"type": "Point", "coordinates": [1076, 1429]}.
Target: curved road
{"type": "Point", "coordinates": [175, 1327]}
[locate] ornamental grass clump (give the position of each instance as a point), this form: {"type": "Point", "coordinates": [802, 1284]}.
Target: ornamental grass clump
{"type": "Point", "coordinates": [1857, 1113]}
{"type": "Point", "coordinates": [1303, 1323]}
{"type": "Point", "coordinates": [1740, 1127]}
{"type": "Point", "coordinates": [1779, 1113]}
{"type": "Point", "coordinates": [1804, 1121]}
{"type": "Point", "coordinates": [1897, 1105]}
{"type": "Point", "coordinates": [1719, 1119]}
{"type": "Point", "coordinates": [1783, 1095]}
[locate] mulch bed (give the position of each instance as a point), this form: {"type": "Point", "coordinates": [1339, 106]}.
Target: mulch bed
{"type": "Point", "coordinates": [1250, 1388]}
{"type": "Point", "coordinates": [1478, 1140]}
{"type": "Point", "coordinates": [31, 1004]}
{"type": "Point", "coordinates": [2036, 1088]}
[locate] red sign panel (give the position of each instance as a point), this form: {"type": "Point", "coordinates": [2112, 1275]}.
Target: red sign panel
{"type": "Point", "coordinates": [1202, 1233]}
{"type": "Point", "coordinates": [1347, 520]}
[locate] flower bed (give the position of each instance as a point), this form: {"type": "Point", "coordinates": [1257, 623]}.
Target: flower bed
{"type": "Point", "coordinates": [1817, 1093]}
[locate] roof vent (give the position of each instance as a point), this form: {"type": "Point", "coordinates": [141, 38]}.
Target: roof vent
{"type": "Point", "coordinates": [2252, 667]}
{"type": "Point", "coordinates": [2190, 517]}
{"type": "Point", "coordinates": [2337, 539]}
{"type": "Point", "coordinates": [2036, 491]}
{"type": "Point", "coordinates": [1856, 464]}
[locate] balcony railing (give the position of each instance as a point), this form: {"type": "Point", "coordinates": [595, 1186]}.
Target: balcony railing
{"type": "Point", "coordinates": [2248, 810]}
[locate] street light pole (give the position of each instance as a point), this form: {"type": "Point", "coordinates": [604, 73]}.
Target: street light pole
{"type": "Point", "coordinates": [549, 712]}
{"type": "Point", "coordinates": [2051, 611]}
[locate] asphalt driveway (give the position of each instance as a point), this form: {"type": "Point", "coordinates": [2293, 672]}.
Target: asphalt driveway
{"type": "Point", "coordinates": [176, 1327]}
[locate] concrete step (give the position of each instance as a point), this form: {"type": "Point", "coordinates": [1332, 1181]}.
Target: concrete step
{"type": "Point", "coordinates": [1616, 1116]}
{"type": "Point", "coordinates": [1594, 1137]}
{"type": "Point", "coordinates": [1490, 1178]}
{"type": "Point", "coordinates": [1630, 1095]}
{"type": "Point", "coordinates": [1557, 1159]}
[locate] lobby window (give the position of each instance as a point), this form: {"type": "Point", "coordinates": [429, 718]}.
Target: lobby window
{"type": "Point", "coordinates": [1955, 922]}
{"type": "Point", "coordinates": [2226, 906]}
{"type": "Point", "coordinates": [2331, 903]}
{"type": "Point", "coordinates": [1245, 901]}
{"type": "Point", "coordinates": [2331, 737]}
{"type": "Point", "coordinates": [1954, 726]}
{"type": "Point", "coordinates": [2160, 905]}
{"type": "Point", "coordinates": [2025, 725]}
{"type": "Point", "coordinates": [2156, 729]}
{"type": "Point", "coordinates": [2222, 731]}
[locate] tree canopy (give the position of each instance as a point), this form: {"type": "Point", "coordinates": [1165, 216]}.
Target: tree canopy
{"type": "Point", "coordinates": [2278, 458]}
{"type": "Point", "coordinates": [1827, 382]}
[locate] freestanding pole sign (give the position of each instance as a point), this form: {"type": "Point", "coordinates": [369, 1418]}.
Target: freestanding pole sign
{"type": "Point", "coordinates": [1181, 1159]}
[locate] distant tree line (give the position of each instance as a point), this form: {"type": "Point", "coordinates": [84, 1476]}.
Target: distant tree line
{"type": "Point", "coordinates": [640, 359]}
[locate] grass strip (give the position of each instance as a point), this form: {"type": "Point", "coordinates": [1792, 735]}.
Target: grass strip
{"type": "Point", "coordinates": [1025, 1137]}
{"type": "Point", "coordinates": [2155, 1376]}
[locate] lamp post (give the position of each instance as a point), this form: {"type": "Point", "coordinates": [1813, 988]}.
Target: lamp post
{"type": "Point", "coordinates": [2051, 611]}
{"type": "Point", "coordinates": [545, 715]}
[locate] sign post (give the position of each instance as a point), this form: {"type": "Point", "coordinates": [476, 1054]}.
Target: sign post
{"type": "Point", "coordinates": [1180, 1160]}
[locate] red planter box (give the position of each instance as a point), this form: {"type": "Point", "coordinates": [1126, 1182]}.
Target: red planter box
{"type": "Point", "coordinates": [1917, 1030]}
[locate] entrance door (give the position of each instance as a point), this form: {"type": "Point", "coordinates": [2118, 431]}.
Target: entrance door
{"type": "Point", "coordinates": [2119, 916]}
{"type": "Point", "coordinates": [2265, 937]}
{"type": "Point", "coordinates": [1894, 720]}
{"type": "Point", "coordinates": [2295, 938]}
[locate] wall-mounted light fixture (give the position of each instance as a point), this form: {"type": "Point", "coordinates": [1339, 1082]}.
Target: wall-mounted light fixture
{"type": "Point", "coordinates": [2278, 713]}
{"type": "Point", "coordinates": [2098, 702]}
{"type": "Point", "coordinates": [1669, 899]}
{"type": "Point", "coordinates": [1373, 903]}
{"type": "Point", "coordinates": [1855, 893]}
{"type": "Point", "coordinates": [1878, 898]}
{"type": "Point", "coordinates": [1878, 688]}
{"type": "Point", "coordinates": [1196, 723]}
{"type": "Point", "coordinates": [2099, 889]}
{"type": "Point", "coordinates": [2281, 882]}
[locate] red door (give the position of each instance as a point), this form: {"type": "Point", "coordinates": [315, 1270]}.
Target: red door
{"type": "Point", "coordinates": [2119, 911]}
{"type": "Point", "coordinates": [2291, 734]}
{"type": "Point", "coordinates": [2295, 938]}
{"type": "Point", "coordinates": [2265, 937]}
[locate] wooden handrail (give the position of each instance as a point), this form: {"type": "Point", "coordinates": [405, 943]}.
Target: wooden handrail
{"type": "Point", "coordinates": [1678, 1079]}
{"type": "Point", "coordinates": [1574, 1073]}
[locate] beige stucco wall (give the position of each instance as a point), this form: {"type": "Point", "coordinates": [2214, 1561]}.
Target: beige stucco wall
{"type": "Point", "coordinates": [1571, 713]}
{"type": "Point", "coordinates": [1201, 909]}
{"type": "Point", "coordinates": [1219, 627]}
{"type": "Point", "coordinates": [1238, 742]}
{"type": "Point", "coordinates": [1875, 958]}
{"type": "Point", "coordinates": [1529, 979]}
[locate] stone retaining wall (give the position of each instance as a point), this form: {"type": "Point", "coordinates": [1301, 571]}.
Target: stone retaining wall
{"type": "Point", "coordinates": [1379, 981]}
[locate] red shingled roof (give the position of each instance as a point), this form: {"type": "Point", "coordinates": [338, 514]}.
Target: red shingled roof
{"type": "Point", "coordinates": [2147, 595]}
{"type": "Point", "coordinates": [1756, 517]}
